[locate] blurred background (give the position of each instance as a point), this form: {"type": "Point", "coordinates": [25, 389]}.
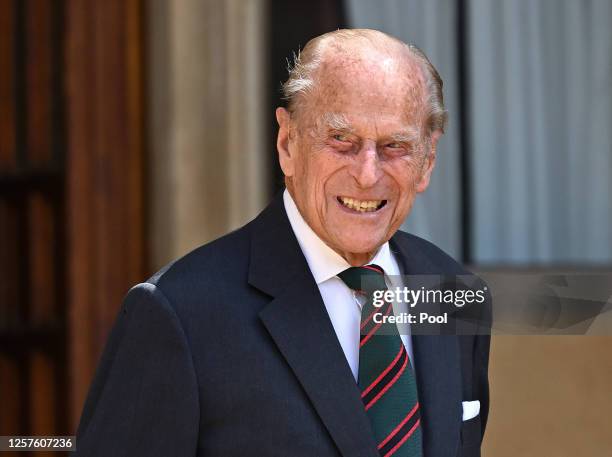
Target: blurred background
{"type": "Point", "coordinates": [132, 131]}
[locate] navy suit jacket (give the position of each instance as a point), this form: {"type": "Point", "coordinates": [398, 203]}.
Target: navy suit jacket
{"type": "Point", "coordinates": [229, 351]}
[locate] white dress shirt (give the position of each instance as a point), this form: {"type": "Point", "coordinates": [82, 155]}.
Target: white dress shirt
{"type": "Point", "coordinates": [342, 304]}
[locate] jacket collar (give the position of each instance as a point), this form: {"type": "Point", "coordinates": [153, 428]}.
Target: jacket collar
{"type": "Point", "coordinates": [298, 323]}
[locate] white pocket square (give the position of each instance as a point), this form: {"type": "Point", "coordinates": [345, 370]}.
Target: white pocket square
{"type": "Point", "coordinates": [470, 409]}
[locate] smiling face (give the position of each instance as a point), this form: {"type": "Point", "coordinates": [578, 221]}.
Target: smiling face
{"type": "Point", "coordinates": [355, 154]}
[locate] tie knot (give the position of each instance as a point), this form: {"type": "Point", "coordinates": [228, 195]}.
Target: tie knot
{"type": "Point", "coordinates": [364, 278]}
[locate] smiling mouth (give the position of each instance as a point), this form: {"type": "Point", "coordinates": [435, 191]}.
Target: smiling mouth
{"type": "Point", "coordinates": [361, 206]}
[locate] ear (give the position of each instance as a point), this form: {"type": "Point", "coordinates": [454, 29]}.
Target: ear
{"type": "Point", "coordinates": [430, 162]}
{"type": "Point", "coordinates": [285, 156]}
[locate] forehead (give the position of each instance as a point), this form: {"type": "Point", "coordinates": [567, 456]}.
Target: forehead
{"type": "Point", "coordinates": [370, 85]}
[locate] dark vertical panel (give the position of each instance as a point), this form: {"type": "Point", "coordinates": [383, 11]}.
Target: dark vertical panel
{"type": "Point", "coordinates": [11, 414]}
{"type": "Point", "coordinates": [41, 227]}
{"type": "Point", "coordinates": [19, 84]}
{"type": "Point", "coordinates": [57, 123]}
{"type": "Point", "coordinates": [58, 248]}
{"type": "Point", "coordinates": [42, 314]}
{"type": "Point", "coordinates": [464, 131]}
{"type": "Point", "coordinates": [42, 232]}
{"type": "Point", "coordinates": [12, 419]}
{"type": "Point", "coordinates": [38, 78]}
{"type": "Point", "coordinates": [292, 24]}
{"type": "Point", "coordinates": [43, 396]}
{"type": "Point", "coordinates": [8, 254]}
{"type": "Point", "coordinates": [105, 164]}
{"type": "Point", "coordinates": [20, 262]}
{"type": "Point", "coordinates": [7, 85]}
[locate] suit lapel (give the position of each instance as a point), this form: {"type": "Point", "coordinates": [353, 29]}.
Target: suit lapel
{"type": "Point", "coordinates": [299, 325]}
{"type": "Point", "coordinates": [437, 366]}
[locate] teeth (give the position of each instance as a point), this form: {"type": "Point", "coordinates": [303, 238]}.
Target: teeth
{"type": "Point", "coordinates": [360, 205]}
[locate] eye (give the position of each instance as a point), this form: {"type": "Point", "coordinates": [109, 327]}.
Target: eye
{"type": "Point", "coordinates": [342, 142]}
{"type": "Point", "coordinates": [340, 137]}
{"type": "Point", "coordinates": [396, 149]}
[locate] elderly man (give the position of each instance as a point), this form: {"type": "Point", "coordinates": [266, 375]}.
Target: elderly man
{"type": "Point", "coordinates": [260, 343]}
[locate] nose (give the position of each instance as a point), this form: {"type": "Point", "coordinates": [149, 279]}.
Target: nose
{"type": "Point", "coordinates": [366, 170]}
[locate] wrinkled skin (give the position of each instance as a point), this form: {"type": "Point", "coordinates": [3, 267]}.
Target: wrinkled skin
{"type": "Point", "coordinates": [359, 134]}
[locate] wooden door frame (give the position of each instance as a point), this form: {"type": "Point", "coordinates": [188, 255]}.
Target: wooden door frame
{"type": "Point", "coordinates": [105, 165]}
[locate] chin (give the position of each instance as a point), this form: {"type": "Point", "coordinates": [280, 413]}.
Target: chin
{"type": "Point", "coordinates": [361, 246]}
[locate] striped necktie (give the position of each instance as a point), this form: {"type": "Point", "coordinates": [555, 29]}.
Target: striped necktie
{"type": "Point", "coordinates": [386, 379]}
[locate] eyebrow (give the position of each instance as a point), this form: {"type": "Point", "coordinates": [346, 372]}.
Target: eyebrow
{"type": "Point", "coordinates": [336, 121]}
{"type": "Point", "coordinates": [406, 136]}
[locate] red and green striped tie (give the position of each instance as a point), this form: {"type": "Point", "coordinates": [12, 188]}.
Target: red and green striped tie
{"type": "Point", "coordinates": [386, 379]}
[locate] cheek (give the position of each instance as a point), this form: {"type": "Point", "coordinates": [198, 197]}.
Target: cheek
{"type": "Point", "coordinates": [314, 177]}
{"type": "Point", "coordinates": [405, 174]}
{"type": "Point", "coordinates": [323, 171]}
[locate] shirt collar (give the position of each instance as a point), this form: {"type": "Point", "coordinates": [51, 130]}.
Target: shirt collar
{"type": "Point", "coordinates": [323, 261]}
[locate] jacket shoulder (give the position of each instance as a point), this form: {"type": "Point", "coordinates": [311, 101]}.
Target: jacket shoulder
{"type": "Point", "coordinates": [217, 262]}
